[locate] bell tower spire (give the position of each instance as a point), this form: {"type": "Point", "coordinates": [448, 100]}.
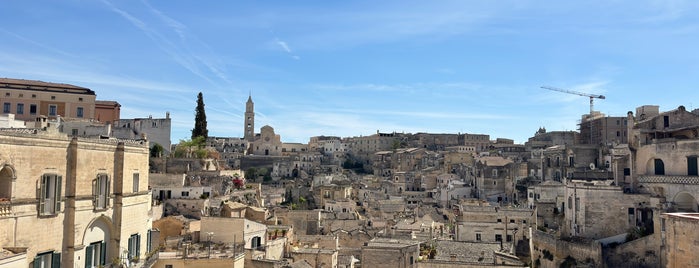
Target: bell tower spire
{"type": "Point", "coordinates": [249, 131]}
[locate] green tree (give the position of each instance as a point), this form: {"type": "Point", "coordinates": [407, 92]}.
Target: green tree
{"type": "Point", "coordinates": [156, 150]}
{"type": "Point", "coordinates": [251, 174]}
{"type": "Point", "coordinates": [200, 119]}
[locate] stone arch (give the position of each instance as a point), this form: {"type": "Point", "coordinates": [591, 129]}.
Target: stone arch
{"type": "Point", "coordinates": [103, 223]}
{"type": "Point", "coordinates": [7, 177]}
{"type": "Point", "coordinates": [655, 166]}
{"type": "Point", "coordinates": [97, 238]}
{"type": "Point", "coordinates": [685, 202]}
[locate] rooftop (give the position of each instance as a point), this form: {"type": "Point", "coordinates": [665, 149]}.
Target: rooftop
{"type": "Point", "coordinates": [34, 85]}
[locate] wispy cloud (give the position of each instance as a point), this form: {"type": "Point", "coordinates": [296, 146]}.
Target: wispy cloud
{"type": "Point", "coordinates": [284, 46]}
{"type": "Point", "coordinates": [180, 53]}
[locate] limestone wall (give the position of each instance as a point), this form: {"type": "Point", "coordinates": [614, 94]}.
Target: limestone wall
{"type": "Point", "coordinates": [550, 252]}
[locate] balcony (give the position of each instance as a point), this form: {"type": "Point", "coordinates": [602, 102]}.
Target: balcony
{"type": "Point", "coordinates": [693, 180]}
{"type": "Point", "coordinates": [6, 209]}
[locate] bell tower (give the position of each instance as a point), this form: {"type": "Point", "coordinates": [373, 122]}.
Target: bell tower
{"type": "Point", "coordinates": [249, 131]}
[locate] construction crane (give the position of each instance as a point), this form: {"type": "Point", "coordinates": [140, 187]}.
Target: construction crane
{"type": "Point", "coordinates": [591, 96]}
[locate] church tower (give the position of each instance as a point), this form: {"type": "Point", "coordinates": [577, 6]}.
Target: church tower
{"type": "Point", "coordinates": [249, 133]}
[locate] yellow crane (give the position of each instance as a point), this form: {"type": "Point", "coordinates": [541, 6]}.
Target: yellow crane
{"type": "Point", "coordinates": [591, 96]}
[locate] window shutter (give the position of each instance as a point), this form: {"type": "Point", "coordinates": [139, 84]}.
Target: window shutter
{"type": "Point", "coordinates": [95, 193]}
{"type": "Point", "coordinates": [131, 251]}
{"type": "Point", "coordinates": [107, 196]}
{"type": "Point", "coordinates": [103, 254]}
{"type": "Point", "coordinates": [138, 245]}
{"type": "Point", "coordinates": [148, 238]}
{"type": "Point", "coordinates": [56, 260]}
{"type": "Point", "coordinates": [37, 262]}
{"type": "Point", "coordinates": [42, 195]}
{"type": "Point", "coordinates": [88, 256]}
{"type": "Point", "coordinates": [57, 197]}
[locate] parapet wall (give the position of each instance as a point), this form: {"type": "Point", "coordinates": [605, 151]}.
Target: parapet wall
{"type": "Point", "coordinates": [549, 251]}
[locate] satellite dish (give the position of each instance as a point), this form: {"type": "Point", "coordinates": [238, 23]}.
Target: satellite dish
{"type": "Point", "coordinates": [592, 166]}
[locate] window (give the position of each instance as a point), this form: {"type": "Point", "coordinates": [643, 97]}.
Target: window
{"type": "Point", "coordinates": [512, 221]}
{"type": "Point", "coordinates": [100, 191]}
{"type": "Point", "coordinates": [256, 242]}
{"type": "Point", "coordinates": [32, 109]}
{"type": "Point", "coordinates": [80, 99]}
{"type": "Point", "coordinates": [79, 112]}
{"type": "Point", "coordinates": [50, 191]}
{"type": "Point", "coordinates": [95, 254]}
{"type": "Point", "coordinates": [7, 94]}
{"type": "Point", "coordinates": [135, 182]}
{"type": "Point", "coordinates": [499, 220]}
{"type": "Point", "coordinates": [148, 241]}
{"type": "Point", "coordinates": [6, 107]}
{"type": "Point", "coordinates": [692, 169]}
{"type": "Point", "coordinates": [577, 204]}
{"type": "Point", "coordinates": [659, 167]}
{"type": "Point", "coordinates": [478, 237]}
{"type": "Point", "coordinates": [47, 260]}
{"type": "Point", "coordinates": [185, 193]}
{"type": "Point", "coordinates": [20, 108]}
{"type": "Point", "coordinates": [53, 97]}
{"type": "Point", "coordinates": [498, 237]}
{"type": "Point", "coordinates": [53, 110]}
{"type": "Point", "coordinates": [33, 95]}
{"type": "Point", "coordinates": [134, 246]}
{"type": "Point", "coordinates": [74, 132]}
{"type": "Point", "coordinates": [508, 238]}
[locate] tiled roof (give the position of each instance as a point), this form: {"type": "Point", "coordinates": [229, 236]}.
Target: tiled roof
{"type": "Point", "coordinates": [34, 85]}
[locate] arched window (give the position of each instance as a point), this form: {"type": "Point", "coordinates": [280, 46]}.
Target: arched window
{"type": "Point", "coordinates": [659, 167]}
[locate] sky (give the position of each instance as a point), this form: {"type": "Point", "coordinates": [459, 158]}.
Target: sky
{"type": "Point", "coordinates": [351, 68]}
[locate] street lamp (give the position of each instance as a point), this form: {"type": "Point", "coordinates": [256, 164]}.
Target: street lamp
{"type": "Point", "coordinates": [210, 235]}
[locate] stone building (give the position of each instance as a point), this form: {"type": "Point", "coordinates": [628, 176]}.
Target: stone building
{"type": "Point", "coordinates": [680, 239]}
{"type": "Point", "coordinates": [107, 111]}
{"type": "Point", "coordinates": [495, 177]}
{"type": "Point", "coordinates": [493, 224]}
{"type": "Point", "coordinates": [384, 252]}
{"type": "Point", "coordinates": [73, 202]}
{"type": "Point", "coordinates": [597, 129]}
{"type": "Point", "coordinates": [157, 130]}
{"type": "Point", "coordinates": [664, 150]}
{"type": "Point", "coordinates": [599, 210]}
{"type": "Point", "coordinates": [543, 139]}
{"type": "Point", "coordinates": [29, 99]}
{"type": "Point", "coordinates": [480, 141]}
{"type": "Point", "coordinates": [267, 143]}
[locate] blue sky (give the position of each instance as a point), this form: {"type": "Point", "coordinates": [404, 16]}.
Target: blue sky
{"type": "Point", "coordinates": [350, 68]}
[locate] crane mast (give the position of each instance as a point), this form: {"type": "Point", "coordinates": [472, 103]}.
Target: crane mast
{"type": "Point", "coordinates": [591, 96]}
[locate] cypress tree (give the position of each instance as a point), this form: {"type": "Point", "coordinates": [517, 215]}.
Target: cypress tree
{"type": "Point", "coordinates": [200, 119]}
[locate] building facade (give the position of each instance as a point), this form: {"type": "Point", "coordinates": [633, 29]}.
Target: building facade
{"type": "Point", "coordinates": [29, 99]}
{"type": "Point", "coordinates": [73, 202]}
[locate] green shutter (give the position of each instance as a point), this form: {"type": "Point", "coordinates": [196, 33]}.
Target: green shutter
{"type": "Point", "coordinates": [106, 194]}
{"type": "Point", "coordinates": [57, 197]}
{"type": "Point", "coordinates": [88, 256]}
{"type": "Point", "coordinates": [37, 262]}
{"type": "Point", "coordinates": [131, 251]}
{"type": "Point", "coordinates": [41, 194]}
{"type": "Point", "coordinates": [56, 260]}
{"type": "Point", "coordinates": [94, 193]}
{"type": "Point", "coordinates": [148, 234]}
{"type": "Point", "coordinates": [138, 245]}
{"type": "Point", "coordinates": [103, 254]}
